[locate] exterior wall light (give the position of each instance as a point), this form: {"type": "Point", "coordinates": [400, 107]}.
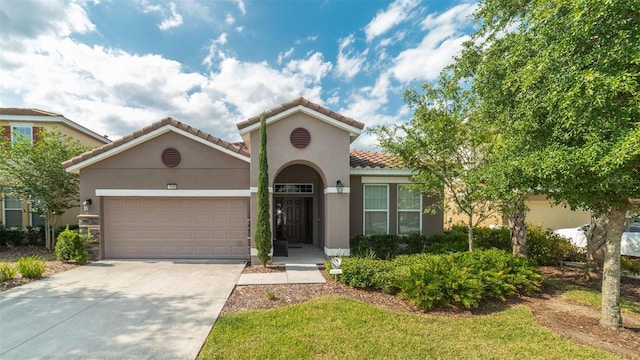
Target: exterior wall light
{"type": "Point", "coordinates": [339, 186]}
{"type": "Point", "coordinates": [172, 186]}
{"type": "Point", "coordinates": [86, 204]}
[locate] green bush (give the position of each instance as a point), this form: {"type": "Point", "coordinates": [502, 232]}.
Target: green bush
{"type": "Point", "coordinates": [548, 248]}
{"type": "Point", "coordinates": [31, 267]}
{"type": "Point", "coordinates": [460, 279]}
{"type": "Point", "coordinates": [71, 246]}
{"type": "Point", "coordinates": [7, 272]}
{"type": "Point", "coordinates": [630, 265]}
{"type": "Point", "coordinates": [414, 243]}
{"type": "Point", "coordinates": [11, 236]}
{"type": "Point", "coordinates": [487, 238]}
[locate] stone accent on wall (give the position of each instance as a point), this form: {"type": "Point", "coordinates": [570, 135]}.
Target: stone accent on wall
{"type": "Point", "coordinates": [90, 224]}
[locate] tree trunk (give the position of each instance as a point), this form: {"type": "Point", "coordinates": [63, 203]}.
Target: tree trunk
{"type": "Point", "coordinates": [596, 238]}
{"type": "Point", "coordinates": [518, 228]}
{"type": "Point", "coordinates": [611, 316]}
{"type": "Point", "coordinates": [470, 232]}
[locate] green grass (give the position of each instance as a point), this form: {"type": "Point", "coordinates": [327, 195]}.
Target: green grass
{"type": "Point", "coordinates": [591, 297]}
{"type": "Point", "coordinates": [340, 328]}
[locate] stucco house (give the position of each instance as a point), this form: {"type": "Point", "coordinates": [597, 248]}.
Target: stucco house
{"type": "Point", "coordinates": [172, 191]}
{"type": "Point", "coordinates": [28, 122]}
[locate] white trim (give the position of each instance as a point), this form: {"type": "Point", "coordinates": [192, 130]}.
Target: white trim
{"type": "Point", "coordinates": [55, 119]}
{"type": "Point", "coordinates": [334, 190]}
{"type": "Point", "coordinates": [254, 190]}
{"type": "Point", "coordinates": [161, 131]}
{"type": "Point", "coordinates": [380, 172]}
{"type": "Point", "coordinates": [353, 131]}
{"type": "Point", "coordinates": [385, 180]}
{"type": "Point", "coordinates": [21, 125]}
{"type": "Point", "coordinates": [171, 193]}
{"type": "Point", "coordinates": [5, 209]}
{"type": "Point", "coordinates": [364, 207]}
{"type": "Point", "coordinates": [398, 210]}
{"type": "Point", "coordinates": [336, 252]}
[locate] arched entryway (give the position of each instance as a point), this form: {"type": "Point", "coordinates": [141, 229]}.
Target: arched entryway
{"type": "Point", "coordinates": [298, 207]}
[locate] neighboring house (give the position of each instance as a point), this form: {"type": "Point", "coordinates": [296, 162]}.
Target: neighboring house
{"type": "Point", "coordinates": [28, 122]}
{"type": "Point", "coordinates": [541, 211]}
{"type": "Point", "coordinates": [172, 191]}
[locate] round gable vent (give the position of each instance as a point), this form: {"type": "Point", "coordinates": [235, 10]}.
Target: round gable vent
{"type": "Point", "coordinates": [170, 157]}
{"type": "Point", "coordinates": [300, 138]}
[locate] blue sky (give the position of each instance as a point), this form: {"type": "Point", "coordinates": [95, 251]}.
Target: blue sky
{"type": "Point", "coordinates": [116, 66]}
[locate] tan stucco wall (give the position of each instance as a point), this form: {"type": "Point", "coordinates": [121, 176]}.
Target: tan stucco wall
{"type": "Point", "coordinates": [541, 212]}
{"type": "Point", "coordinates": [431, 223]}
{"type": "Point", "coordinates": [327, 154]}
{"type": "Point", "coordinates": [141, 167]}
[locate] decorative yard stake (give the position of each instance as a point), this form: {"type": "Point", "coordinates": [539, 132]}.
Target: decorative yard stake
{"type": "Point", "coordinates": [263, 227]}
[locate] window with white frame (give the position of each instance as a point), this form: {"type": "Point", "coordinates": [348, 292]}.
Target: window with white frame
{"type": "Point", "coordinates": [36, 219]}
{"type": "Point", "coordinates": [22, 131]}
{"type": "Point", "coordinates": [409, 210]}
{"type": "Point", "coordinates": [376, 209]}
{"type": "Point", "coordinates": [12, 211]}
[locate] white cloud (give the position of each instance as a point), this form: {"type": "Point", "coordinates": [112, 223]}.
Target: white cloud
{"type": "Point", "coordinates": [173, 21]}
{"type": "Point", "coordinates": [396, 13]}
{"type": "Point", "coordinates": [214, 51]}
{"type": "Point", "coordinates": [349, 64]}
{"type": "Point", "coordinates": [285, 55]}
{"type": "Point", "coordinates": [229, 19]}
{"type": "Point", "coordinates": [314, 67]}
{"type": "Point", "coordinates": [443, 41]}
{"type": "Point", "coordinates": [241, 6]}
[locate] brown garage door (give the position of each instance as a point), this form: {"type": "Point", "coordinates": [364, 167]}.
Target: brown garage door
{"type": "Point", "coordinates": [175, 228]}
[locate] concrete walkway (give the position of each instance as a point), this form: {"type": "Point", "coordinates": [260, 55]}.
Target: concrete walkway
{"type": "Point", "coordinates": [117, 310]}
{"type": "Point", "coordinates": [294, 274]}
{"type": "Point", "coordinates": [300, 267]}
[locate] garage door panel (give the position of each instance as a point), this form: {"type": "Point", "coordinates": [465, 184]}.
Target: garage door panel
{"type": "Point", "coordinates": [175, 228]}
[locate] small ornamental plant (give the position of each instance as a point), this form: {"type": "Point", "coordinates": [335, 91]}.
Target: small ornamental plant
{"type": "Point", "coordinates": [31, 267]}
{"type": "Point", "coordinates": [72, 246]}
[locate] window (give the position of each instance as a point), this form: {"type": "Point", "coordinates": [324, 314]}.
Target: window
{"type": "Point", "coordinates": [12, 211]}
{"type": "Point", "coordinates": [376, 209]}
{"type": "Point", "coordinates": [294, 188]}
{"type": "Point", "coordinates": [409, 211]}
{"type": "Point", "coordinates": [21, 130]}
{"type": "Point", "coordinates": [36, 220]}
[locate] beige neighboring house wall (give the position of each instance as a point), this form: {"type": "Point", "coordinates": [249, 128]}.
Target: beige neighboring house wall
{"type": "Point", "coordinates": [542, 212]}
{"type": "Point", "coordinates": [39, 119]}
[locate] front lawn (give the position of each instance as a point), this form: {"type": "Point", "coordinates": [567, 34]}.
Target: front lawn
{"type": "Point", "coordinates": [591, 297]}
{"type": "Point", "coordinates": [340, 328]}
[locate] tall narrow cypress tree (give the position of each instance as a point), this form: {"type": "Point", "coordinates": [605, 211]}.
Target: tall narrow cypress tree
{"type": "Point", "coordinates": [263, 228]}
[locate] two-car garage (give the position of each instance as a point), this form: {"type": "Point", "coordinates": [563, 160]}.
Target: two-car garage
{"type": "Point", "coordinates": [169, 227]}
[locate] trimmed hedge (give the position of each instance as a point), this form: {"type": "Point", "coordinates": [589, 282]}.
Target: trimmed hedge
{"type": "Point", "coordinates": [28, 235]}
{"type": "Point", "coordinates": [458, 279]}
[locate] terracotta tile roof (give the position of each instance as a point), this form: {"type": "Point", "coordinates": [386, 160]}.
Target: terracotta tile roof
{"type": "Point", "coordinates": [372, 159]}
{"type": "Point", "coordinates": [306, 103]}
{"type": "Point", "coordinates": [146, 130]}
{"type": "Point", "coordinates": [26, 112]}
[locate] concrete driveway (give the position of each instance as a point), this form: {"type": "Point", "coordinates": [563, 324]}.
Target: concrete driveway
{"type": "Point", "coordinates": [117, 310]}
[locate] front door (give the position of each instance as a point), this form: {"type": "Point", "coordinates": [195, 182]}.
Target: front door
{"type": "Point", "coordinates": [292, 219]}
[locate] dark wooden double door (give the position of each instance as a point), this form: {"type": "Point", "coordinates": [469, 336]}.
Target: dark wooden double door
{"type": "Point", "coordinates": [293, 219]}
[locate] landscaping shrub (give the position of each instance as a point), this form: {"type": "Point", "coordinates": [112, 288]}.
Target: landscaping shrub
{"type": "Point", "coordinates": [548, 248]}
{"type": "Point", "coordinates": [7, 272]}
{"type": "Point", "coordinates": [71, 246]}
{"type": "Point", "coordinates": [450, 241]}
{"type": "Point", "coordinates": [461, 279]}
{"type": "Point", "coordinates": [11, 236]}
{"type": "Point", "coordinates": [487, 238]}
{"type": "Point", "coordinates": [630, 265]}
{"type": "Point", "coordinates": [414, 243]}
{"type": "Point", "coordinates": [31, 267]}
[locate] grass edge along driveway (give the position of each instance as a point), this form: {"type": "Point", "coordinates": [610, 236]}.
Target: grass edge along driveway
{"type": "Point", "coordinates": [341, 328]}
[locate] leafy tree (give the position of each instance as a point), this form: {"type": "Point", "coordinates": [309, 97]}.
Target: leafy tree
{"type": "Point", "coordinates": [263, 226]}
{"type": "Point", "coordinates": [562, 80]}
{"type": "Point", "coordinates": [445, 149]}
{"type": "Point", "coordinates": [34, 172]}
